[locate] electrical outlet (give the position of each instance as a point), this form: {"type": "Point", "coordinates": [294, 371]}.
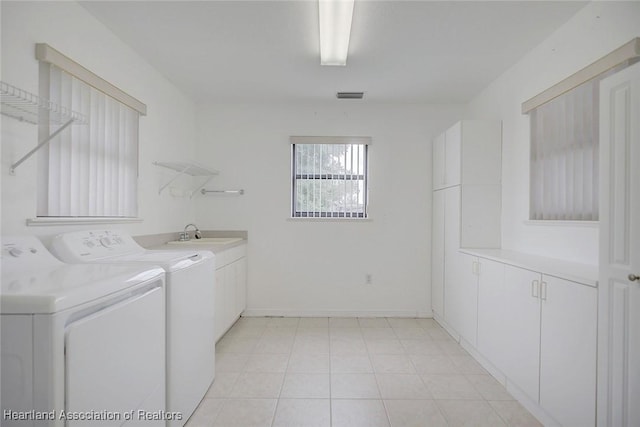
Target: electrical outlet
{"type": "Point", "coordinates": [368, 278]}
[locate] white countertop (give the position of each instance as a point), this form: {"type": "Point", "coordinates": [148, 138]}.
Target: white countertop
{"type": "Point", "coordinates": [575, 272]}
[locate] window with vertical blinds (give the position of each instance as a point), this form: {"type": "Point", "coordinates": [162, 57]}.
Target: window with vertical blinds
{"type": "Point", "coordinates": [564, 156]}
{"type": "Point", "coordinates": [329, 177]}
{"type": "Point", "coordinates": [564, 140]}
{"type": "Point", "coordinates": [89, 170]}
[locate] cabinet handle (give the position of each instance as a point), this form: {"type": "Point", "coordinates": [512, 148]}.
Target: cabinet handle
{"type": "Point", "coordinates": [474, 267]}
{"type": "Point", "coordinates": [534, 288]}
{"type": "Point", "coordinates": [543, 291]}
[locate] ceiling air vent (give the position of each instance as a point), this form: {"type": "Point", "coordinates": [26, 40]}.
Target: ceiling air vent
{"type": "Point", "coordinates": [350, 95]}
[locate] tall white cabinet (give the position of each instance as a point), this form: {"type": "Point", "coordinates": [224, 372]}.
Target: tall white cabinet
{"type": "Point", "coordinates": [466, 213]}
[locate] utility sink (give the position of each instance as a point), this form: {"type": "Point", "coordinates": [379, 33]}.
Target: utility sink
{"type": "Point", "coordinates": [208, 241]}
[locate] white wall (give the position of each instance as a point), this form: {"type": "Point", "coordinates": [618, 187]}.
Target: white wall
{"type": "Point", "coordinates": [166, 133]}
{"type": "Point", "coordinates": [593, 32]}
{"type": "Point", "coordinates": [318, 267]}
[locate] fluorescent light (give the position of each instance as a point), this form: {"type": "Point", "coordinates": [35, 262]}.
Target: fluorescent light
{"type": "Point", "coordinates": [335, 28]}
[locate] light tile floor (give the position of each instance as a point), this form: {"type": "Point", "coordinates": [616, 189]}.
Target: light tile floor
{"type": "Point", "coordinates": [323, 372]}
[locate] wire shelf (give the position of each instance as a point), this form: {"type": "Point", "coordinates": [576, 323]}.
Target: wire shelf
{"type": "Point", "coordinates": [27, 107]}
{"type": "Point", "coordinates": [188, 168]}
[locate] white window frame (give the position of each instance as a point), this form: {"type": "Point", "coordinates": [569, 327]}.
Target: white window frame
{"type": "Point", "coordinates": [321, 176]}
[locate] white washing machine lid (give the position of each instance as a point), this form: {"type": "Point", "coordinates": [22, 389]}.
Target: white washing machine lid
{"type": "Point", "coordinates": [52, 290]}
{"type": "Point", "coordinates": [34, 282]}
{"type": "Point", "coordinates": [170, 261]}
{"type": "Point", "coordinates": [114, 246]}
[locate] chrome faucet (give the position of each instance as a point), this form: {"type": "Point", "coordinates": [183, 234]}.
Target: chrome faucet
{"type": "Point", "coordinates": [184, 236]}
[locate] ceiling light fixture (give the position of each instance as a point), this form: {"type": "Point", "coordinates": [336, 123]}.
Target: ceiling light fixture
{"type": "Point", "coordinates": [335, 29]}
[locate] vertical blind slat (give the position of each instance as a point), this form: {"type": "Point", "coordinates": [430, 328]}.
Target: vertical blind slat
{"type": "Point", "coordinates": [92, 169]}
{"type": "Point", "coordinates": [564, 152]}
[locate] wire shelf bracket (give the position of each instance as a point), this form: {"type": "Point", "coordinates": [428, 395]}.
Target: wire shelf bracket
{"type": "Point", "coordinates": [27, 107]}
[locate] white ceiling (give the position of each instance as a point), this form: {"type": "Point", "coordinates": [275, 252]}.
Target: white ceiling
{"type": "Point", "coordinates": [267, 51]}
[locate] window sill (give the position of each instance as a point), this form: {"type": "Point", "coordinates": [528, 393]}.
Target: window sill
{"type": "Point", "coordinates": [312, 219]}
{"type": "Point", "coordinates": [558, 223]}
{"type": "Point", "coordinates": [49, 221]}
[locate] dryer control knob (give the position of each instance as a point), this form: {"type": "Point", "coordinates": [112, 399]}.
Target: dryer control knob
{"type": "Point", "coordinates": [105, 241]}
{"type": "Point", "coordinates": [15, 252]}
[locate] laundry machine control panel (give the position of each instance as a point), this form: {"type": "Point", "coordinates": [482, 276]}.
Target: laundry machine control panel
{"type": "Point", "coordinates": [25, 254]}
{"type": "Point", "coordinates": [92, 245]}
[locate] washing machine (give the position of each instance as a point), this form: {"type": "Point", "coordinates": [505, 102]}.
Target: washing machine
{"type": "Point", "coordinates": [81, 345]}
{"type": "Point", "coordinates": [190, 333]}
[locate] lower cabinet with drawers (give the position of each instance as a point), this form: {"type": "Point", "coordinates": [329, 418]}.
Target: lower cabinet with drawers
{"type": "Point", "coordinates": [535, 330]}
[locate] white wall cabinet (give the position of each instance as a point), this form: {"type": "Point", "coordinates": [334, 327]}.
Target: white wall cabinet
{"type": "Point", "coordinates": [466, 213]}
{"type": "Point", "coordinates": [231, 288]}
{"type": "Point", "coordinates": [540, 332]}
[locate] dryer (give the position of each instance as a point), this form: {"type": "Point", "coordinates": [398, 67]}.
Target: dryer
{"type": "Point", "coordinates": [190, 333]}
{"type": "Point", "coordinates": [80, 344]}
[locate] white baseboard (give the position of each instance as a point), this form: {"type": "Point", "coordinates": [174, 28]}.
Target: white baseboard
{"type": "Point", "coordinates": [263, 312]}
{"type": "Point", "coordinates": [531, 405]}
{"type": "Point", "coordinates": [485, 363]}
{"type": "Point", "coordinates": [447, 327]}
{"type": "Point", "coordinates": [524, 399]}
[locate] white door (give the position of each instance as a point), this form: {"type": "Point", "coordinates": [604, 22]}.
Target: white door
{"type": "Point", "coordinates": [115, 359]}
{"type": "Point", "coordinates": [619, 287]}
{"type": "Point", "coordinates": [437, 254]}
{"type": "Point", "coordinates": [568, 351]}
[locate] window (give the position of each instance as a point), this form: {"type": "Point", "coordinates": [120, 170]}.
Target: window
{"type": "Point", "coordinates": [329, 177]}
{"type": "Point", "coordinates": [564, 156]}
{"type": "Point", "coordinates": [87, 170]}
{"type": "Point", "coordinates": [564, 140]}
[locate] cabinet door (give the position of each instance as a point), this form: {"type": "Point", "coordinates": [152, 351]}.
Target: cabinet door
{"type": "Point", "coordinates": [568, 351]}
{"type": "Point", "coordinates": [492, 321]}
{"type": "Point", "coordinates": [438, 162]}
{"type": "Point", "coordinates": [521, 311]}
{"type": "Point", "coordinates": [452, 155]}
{"type": "Point", "coordinates": [231, 283]}
{"type": "Point", "coordinates": [467, 298]}
{"type": "Point", "coordinates": [437, 254]}
{"type": "Point", "coordinates": [241, 285]}
{"type": "Point", "coordinates": [219, 298]}
{"type": "Point", "coordinates": [452, 258]}
{"type": "Point", "coordinates": [481, 157]}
